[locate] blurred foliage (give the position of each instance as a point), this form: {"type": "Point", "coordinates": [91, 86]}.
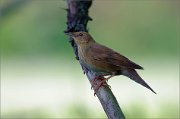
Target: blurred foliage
{"type": "Point", "coordinates": [36, 27]}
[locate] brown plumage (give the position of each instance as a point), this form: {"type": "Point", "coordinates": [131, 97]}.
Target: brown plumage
{"type": "Point", "coordinates": [105, 61]}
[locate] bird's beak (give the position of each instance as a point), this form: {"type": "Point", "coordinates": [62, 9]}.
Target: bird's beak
{"type": "Point", "coordinates": [70, 34]}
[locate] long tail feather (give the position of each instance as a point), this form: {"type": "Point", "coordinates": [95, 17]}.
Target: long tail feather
{"type": "Point", "coordinates": [132, 74]}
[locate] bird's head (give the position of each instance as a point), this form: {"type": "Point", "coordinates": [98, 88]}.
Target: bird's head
{"type": "Point", "coordinates": [81, 38]}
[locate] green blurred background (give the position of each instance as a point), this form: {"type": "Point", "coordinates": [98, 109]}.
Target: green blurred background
{"type": "Point", "coordinates": [40, 77]}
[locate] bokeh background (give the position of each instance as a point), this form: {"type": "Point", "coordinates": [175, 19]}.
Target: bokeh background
{"type": "Point", "coordinates": [40, 77]}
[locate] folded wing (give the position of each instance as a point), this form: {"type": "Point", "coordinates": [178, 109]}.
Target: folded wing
{"type": "Point", "coordinates": [107, 55]}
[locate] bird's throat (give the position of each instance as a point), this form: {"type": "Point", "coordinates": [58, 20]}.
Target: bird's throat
{"type": "Point", "coordinates": [81, 53]}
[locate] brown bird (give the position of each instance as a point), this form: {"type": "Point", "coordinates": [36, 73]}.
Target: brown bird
{"type": "Point", "coordinates": [105, 61]}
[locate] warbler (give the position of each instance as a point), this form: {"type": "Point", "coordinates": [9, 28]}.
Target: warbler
{"type": "Point", "coordinates": [105, 61]}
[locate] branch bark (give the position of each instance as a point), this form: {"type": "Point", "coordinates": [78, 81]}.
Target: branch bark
{"type": "Point", "coordinates": [77, 20]}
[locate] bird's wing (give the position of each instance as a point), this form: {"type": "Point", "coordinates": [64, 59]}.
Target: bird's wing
{"type": "Point", "coordinates": [107, 55]}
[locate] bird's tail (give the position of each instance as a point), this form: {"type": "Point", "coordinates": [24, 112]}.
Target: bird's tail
{"type": "Point", "coordinates": [132, 74]}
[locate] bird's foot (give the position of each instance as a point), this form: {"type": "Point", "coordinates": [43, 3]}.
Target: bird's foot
{"type": "Point", "coordinates": [101, 83]}
{"type": "Point", "coordinates": [93, 82]}
{"type": "Point", "coordinates": [97, 84]}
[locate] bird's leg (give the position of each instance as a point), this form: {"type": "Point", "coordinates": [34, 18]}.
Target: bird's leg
{"type": "Point", "coordinates": [110, 77]}
{"type": "Point", "coordinates": [100, 77]}
{"type": "Point", "coordinates": [93, 82]}
{"type": "Point", "coordinates": [102, 83]}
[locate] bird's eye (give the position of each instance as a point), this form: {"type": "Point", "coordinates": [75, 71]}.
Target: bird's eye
{"type": "Point", "coordinates": [80, 34]}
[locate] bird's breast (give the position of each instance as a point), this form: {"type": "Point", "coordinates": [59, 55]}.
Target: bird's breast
{"type": "Point", "coordinates": [81, 54]}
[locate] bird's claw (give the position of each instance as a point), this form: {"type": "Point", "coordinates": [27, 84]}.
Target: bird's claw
{"type": "Point", "coordinates": [99, 84]}
{"type": "Point", "coordinates": [93, 82]}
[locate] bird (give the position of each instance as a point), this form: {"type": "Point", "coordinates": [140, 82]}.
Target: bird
{"type": "Point", "coordinates": [105, 61]}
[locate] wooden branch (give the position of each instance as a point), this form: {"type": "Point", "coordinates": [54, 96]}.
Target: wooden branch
{"type": "Point", "coordinates": [77, 20]}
